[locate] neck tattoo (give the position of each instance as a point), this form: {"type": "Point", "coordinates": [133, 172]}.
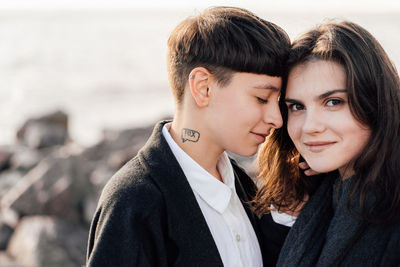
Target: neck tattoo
{"type": "Point", "coordinates": [190, 135]}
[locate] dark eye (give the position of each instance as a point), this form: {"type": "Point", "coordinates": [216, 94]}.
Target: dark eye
{"type": "Point", "coordinates": [262, 100]}
{"type": "Point", "coordinates": [295, 107]}
{"type": "Point", "coordinates": [333, 102]}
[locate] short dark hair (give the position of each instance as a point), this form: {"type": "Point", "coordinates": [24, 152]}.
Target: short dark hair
{"type": "Point", "coordinates": [225, 40]}
{"type": "Point", "coordinates": [374, 99]}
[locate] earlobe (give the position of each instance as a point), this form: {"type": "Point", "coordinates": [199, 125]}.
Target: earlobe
{"type": "Point", "coordinates": [199, 79]}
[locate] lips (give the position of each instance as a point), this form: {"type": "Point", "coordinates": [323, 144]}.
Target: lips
{"type": "Point", "coordinates": [318, 146]}
{"type": "Point", "coordinates": [260, 136]}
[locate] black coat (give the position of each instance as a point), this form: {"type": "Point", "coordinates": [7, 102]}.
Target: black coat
{"type": "Point", "coordinates": [327, 234]}
{"type": "Point", "coordinates": [148, 215]}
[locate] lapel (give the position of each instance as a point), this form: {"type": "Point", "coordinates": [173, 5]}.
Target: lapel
{"type": "Point", "coordinates": [186, 223]}
{"type": "Point", "coordinates": [246, 189]}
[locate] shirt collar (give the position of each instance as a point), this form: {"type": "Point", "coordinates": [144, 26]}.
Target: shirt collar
{"type": "Point", "coordinates": [215, 193]}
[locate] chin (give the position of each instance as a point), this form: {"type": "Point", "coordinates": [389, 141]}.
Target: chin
{"type": "Point", "coordinates": [244, 153]}
{"type": "Point", "coordinates": [321, 168]}
{"type": "Point", "coordinates": [248, 154]}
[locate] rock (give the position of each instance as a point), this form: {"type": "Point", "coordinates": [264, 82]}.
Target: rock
{"type": "Point", "coordinates": [5, 156]}
{"type": "Point", "coordinates": [118, 158]}
{"type": "Point", "coordinates": [45, 131]}
{"type": "Point", "coordinates": [7, 261]}
{"type": "Point", "coordinates": [25, 158]}
{"type": "Point", "coordinates": [56, 186]}
{"type": "Point", "coordinates": [44, 241]}
{"type": "Point", "coordinates": [10, 217]}
{"type": "Point", "coordinates": [8, 179]}
{"type": "Point", "coordinates": [100, 175]}
{"type": "Point", "coordinates": [90, 206]}
{"type": "Point", "coordinates": [5, 234]}
{"type": "Point", "coordinates": [8, 222]}
{"type": "Point", "coordinates": [129, 141]}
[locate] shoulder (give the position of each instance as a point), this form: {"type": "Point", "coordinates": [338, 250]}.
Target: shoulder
{"type": "Point", "coordinates": [392, 250]}
{"type": "Point", "coordinates": [131, 188]}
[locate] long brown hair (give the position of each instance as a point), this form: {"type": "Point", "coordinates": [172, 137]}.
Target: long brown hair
{"type": "Point", "coordinates": [374, 99]}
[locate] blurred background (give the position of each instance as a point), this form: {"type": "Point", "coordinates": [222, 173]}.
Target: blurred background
{"type": "Point", "coordinates": [81, 84]}
{"type": "Point", "coordinates": [103, 62]}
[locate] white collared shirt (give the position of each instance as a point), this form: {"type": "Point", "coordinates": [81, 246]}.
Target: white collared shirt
{"type": "Point", "coordinates": [226, 218]}
{"type": "Point", "coordinates": [283, 218]}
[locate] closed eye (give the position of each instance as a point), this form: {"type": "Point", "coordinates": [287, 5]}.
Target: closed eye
{"type": "Point", "coordinates": [262, 100]}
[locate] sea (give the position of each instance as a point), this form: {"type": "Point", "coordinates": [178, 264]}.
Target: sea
{"type": "Point", "coordinates": [106, 67]}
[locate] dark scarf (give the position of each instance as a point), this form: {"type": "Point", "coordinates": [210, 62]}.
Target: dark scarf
{"type": "Point", "coordinates": [326, 234]}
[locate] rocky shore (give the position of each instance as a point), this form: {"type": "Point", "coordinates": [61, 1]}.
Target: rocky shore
{"type": "Point", "coordinates": [49, 187]}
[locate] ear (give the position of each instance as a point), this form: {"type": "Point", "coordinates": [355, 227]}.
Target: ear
{"type": "Point", "coordinates": [199, 79]}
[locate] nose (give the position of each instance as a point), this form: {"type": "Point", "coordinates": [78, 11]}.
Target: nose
{"type": "Point", "coordinates": [313, 122]}
{"type": "Point", "coordinates": [273, 115]}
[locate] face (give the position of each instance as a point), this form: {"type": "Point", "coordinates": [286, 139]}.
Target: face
{"type": "Point", "coordinates": [320, 123]}
{"type": "Point", "coordinates": [242, 113]}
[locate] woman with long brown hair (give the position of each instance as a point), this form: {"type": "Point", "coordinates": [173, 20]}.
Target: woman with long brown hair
{"type": "Point", "coordinates": [341, 111]}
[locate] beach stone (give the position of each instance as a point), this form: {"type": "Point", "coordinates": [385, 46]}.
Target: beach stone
{"type": "Point", "coordinates": [5, 156]}
{"type": "Point", "coordinates": [5, 234]}
{"type": "Point", "coordinates": [7, 261]}
{"type": "Point", "coordinates": [9, 179]}
{"type": "Point", "coordinates": [89, 207]}
{"type": "Point", "coordinates": [126, 142]}
{"type": "Point", "coordinates": [44, 241]}
{"type": "Point", "coordinates": [8, 222]}
{"type": "Point", "coordinates": [117, 148]}
{"type": "Point", "coordinates": [25, 158]}
{"type": "Point", "coordinates": [10, 217]}
{"type": "Point", "coordinates": [118, 158]}
{"type": "Point", "coordinates": [56, 186]}
{"type": "Point", "coordinates": [100, 176]}
{"type": "Point", "coordinates": [45, 131]}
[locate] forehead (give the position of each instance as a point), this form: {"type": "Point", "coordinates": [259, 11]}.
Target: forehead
{"type": "Point", "coordinates": [315, 77]}
{"type": "Point", "coordinates": [257, 81]}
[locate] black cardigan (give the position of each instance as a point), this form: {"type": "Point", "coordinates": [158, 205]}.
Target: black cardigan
{"type": "Point", "coordinates": [148, 215]}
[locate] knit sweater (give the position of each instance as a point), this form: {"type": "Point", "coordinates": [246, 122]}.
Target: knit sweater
{"type": "Point", "coordinates": [327, 234]}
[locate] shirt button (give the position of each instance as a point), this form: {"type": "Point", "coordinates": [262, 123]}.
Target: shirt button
{"type": "Point", "coordinates": [238, 238]}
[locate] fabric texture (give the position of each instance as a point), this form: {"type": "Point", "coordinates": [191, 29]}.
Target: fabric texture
{"type": "Point", "coordinates": [148, 215]}
{"type": "Point", "coordinates": [326, 234]}
{"type": "Point", "coordinates": [273, 237]}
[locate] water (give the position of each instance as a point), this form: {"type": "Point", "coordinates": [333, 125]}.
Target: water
{"type": "Point", "coordinates": [106, 68]}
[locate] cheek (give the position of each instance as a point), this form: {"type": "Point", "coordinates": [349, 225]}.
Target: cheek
{"type": "Point", "coordinates": [294, 128]}
{"type": "Point", "coordinates": [230, 105]}
{"type": "Point", "coordinates": [351, 129]}
{"type": "Point", "coordinates": [358, 138]}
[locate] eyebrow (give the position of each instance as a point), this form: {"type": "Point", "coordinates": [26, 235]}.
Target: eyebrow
{"type": "Point", "coordinates": [266, 86]}
{"type": "Point", "coordinates": [322, 96]}
{"type": "Point", "coordinates": [331, 92]}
